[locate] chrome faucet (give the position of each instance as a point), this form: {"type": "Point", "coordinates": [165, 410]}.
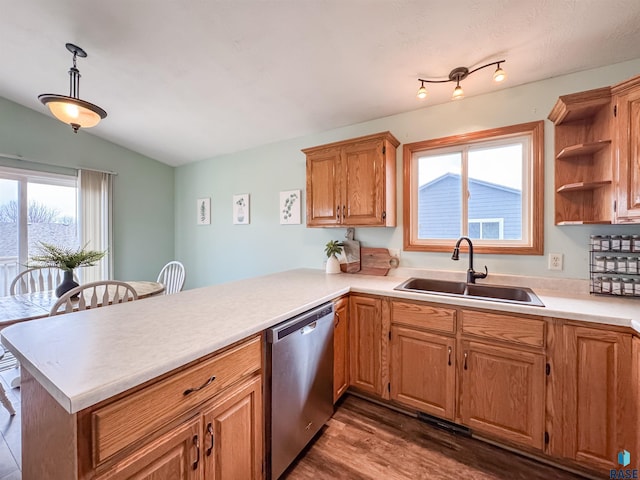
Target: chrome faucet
{"type": "Point", "coordinates": [471, 273]}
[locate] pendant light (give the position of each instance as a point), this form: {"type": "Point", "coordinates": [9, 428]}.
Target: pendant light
{"type": "Point", "coordinates": [71, 109]}
{"type": "Point", "coordinates": [457, 75]}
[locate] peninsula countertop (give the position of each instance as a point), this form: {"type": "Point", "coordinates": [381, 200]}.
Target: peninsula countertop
{"type": "Point", "coordinates": [86, 357]}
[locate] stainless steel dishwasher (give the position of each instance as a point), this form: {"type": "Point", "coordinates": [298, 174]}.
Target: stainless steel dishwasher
{"type": "Point", "coordinates": [300, 364]}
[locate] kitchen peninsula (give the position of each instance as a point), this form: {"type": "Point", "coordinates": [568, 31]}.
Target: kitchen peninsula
{"type": "Point", "coordinates": [87, 366]}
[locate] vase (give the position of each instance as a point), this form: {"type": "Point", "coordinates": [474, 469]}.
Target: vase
{"type": "Point", "coordinates": [333, 265]}
{"type": "Point", "coordinates": [67, 283]}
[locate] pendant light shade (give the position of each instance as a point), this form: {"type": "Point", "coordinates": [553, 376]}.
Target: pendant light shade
{"type": "Point", "coordinates": [71, 109]}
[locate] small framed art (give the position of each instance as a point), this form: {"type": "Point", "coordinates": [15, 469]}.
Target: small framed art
{"type": "Point", "coordinates": [241, 209]}
{"type": "Point", "coordinates": [290, 207]}
{"type": "Point", "coordinates": [204, 211]}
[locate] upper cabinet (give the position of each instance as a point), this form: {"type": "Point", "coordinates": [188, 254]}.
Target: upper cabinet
{"type": "Point", "coordinates": [583, 157]}
{"type": "Point", "coordinates": [353, 182]}
{"type": "Point", "coordinates": [626, 98]}
{"type": "Point", "coordinates": [597, 155]}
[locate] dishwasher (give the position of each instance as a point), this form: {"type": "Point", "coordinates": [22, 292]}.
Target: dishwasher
{"type": "Point", "coordinates": [300, 367]}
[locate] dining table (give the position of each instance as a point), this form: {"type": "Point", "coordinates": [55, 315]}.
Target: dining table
{"type": "Point", "coordinates": [34, 305]}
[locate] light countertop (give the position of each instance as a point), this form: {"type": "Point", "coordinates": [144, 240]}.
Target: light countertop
{"type": "Point", "coordinates": [85, 357]}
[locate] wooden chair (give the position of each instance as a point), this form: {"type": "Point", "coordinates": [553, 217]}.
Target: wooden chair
{"type": "Point", "coordinates": [37, 279]}
{"type": "Point", "coordinates": [4, 400]}
{"type": "Point", "coordinates": [94, 295]}
{"type": "Point", "coordinates": [172, 276]}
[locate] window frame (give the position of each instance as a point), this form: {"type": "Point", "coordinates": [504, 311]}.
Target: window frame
{"type": "Point", "coordinates": [534, 245]}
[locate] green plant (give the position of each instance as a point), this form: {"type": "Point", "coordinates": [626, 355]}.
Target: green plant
{"type": "Point", "coordinates": [332, 248]}
{"type": "Point", "coordinates": [65, 258]}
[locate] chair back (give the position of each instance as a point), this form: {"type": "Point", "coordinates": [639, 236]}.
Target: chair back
{"type": "Point", "coordinates": [94, 295]}
{"type": "Point", "coordinates": [172, 276]}
{"type": "Point", "coordinates": [37, 279]}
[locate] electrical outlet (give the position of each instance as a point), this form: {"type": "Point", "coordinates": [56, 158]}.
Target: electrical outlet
{"type": "Point", "coordinates": [555, 261]}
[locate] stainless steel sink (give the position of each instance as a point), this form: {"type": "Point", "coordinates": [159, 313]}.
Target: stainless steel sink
{"type": "Point", "coordinates": [493, 293]}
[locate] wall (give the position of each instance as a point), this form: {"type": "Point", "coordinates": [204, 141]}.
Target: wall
{"type": "Point", "coordinates": [223, 251]}
{"type": "Point", "coordinates": [143, 189]}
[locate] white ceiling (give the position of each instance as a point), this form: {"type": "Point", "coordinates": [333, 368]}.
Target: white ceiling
{"type": "Point", "coordinates": [188, 80]}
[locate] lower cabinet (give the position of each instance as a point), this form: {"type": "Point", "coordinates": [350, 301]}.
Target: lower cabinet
{"type": "Point", "coordinates": [340, 348]}
{"type": "Point", "coordinates": [232, 438]}
{"type": "Point", "coordinates": [365, 344]}
{"type": "Point", "coordinates": [173, 456]}
{"type": "Point", "coordinates": [423, 372]}
{"type": "Point", "coordinates": [502, 392]}
{"type": "Point", "coordinates": [599, 407]}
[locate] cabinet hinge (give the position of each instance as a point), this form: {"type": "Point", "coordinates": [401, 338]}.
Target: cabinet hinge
{"type": "Point", "coordinates": [384, 149]}
{"type": "Point", "coordinates": [546, 438]}
{"type": "Point", "coordinates": [615, 110]}
{"type": "Point", "coordinates": [548, 369]}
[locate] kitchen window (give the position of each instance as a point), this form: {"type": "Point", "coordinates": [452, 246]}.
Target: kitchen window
{"type": "Point", "coordinates": [486, 185]}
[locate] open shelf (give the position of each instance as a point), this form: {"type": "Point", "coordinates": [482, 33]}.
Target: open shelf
{"type": "Point", "coordinates": [580, 186]}
{"type": "Point", "coordinates": [583, 149]}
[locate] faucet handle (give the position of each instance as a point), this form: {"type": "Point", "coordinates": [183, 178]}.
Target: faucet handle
{"type": "Point", "coordinates": [481, 275]}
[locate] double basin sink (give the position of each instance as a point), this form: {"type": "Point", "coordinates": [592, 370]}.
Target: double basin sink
{"type": "Point", "coordinates": [493, 293]}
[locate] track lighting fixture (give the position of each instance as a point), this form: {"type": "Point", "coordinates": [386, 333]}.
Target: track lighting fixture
{"type": "Point", "coordinates": [457, 75]}
{"type": "Point", "coordinates": [70, 109]}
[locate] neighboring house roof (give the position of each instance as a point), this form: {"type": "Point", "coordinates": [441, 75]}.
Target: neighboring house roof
{"type": "Point", "coordinates": [456, 176]}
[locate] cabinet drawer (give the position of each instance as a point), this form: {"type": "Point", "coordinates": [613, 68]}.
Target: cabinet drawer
{"type": "Point", "coordinates": [509, 328]}
{"type": "Point", "coordinates": [424, 316]}
{"type": "Point", "coordinates": [126, 421]}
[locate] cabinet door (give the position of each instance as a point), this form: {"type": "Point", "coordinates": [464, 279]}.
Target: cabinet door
{"type": "Point", "coordinates": [598, 396]}
{"type": "Point", "coordinates": [423, 371]}
{"type": "Point", "coordinates": [365, 344]}
{"type": "Point", "coordinates": [176, 455]}
{"type": "Point", "coordinates": [628, 129]}
{"type": "Point", "coordinates": [232, 442]}
{"type": "Point", "coordinates": [502, 392]}
{"type": "Point", "coordinates": [363, 183]}
{"type": "Point", "coordinates": [324, 205]}
{"type": "Point", "coordinates": [341, 348]}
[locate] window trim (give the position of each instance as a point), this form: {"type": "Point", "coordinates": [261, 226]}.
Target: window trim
{"type": "Point", "coordinates": [535, 245]}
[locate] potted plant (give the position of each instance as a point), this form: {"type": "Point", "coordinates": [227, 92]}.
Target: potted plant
{"type": "Point", "coordinates": [66, 259]}
{"type": "Point", "coordinates": [333, 248]}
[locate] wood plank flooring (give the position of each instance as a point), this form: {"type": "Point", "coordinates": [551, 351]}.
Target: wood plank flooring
{"type": "Point", "coordinates": [364, 441]}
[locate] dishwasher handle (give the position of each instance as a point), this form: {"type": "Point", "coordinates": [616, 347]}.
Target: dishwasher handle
{"type": "Point", "coordinates": [304, 323]}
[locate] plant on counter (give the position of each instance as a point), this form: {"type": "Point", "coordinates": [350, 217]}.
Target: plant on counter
{"type": "Point", "coordinates": [66, 259]}
{"type": "Point", "coordinates": [333, 248]}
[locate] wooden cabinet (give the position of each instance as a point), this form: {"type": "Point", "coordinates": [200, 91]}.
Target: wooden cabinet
{"type": "Point", "coordinates": [352, 183]}
{"type": "Point", "coordinates": [365, 344]}
{"type": "Point", "coordinates": [597, 155]}
{"type": "Point", "coordinates": [232, 436]}
{"type": "Point", "coordinates": [598, 396]}
{"type": "Point", "coordinates": [173, 456]}
{"type": "Point", "coordinates": [584, 190]}
{"type": "Point", "coordinates": [423, 372]}
{"type": "Point", "coordinates": [502, 376]}
{"type": "Point", "coordinates": [627, 105]}
{"type": "Point", "coordinates": [203, 421]}
{"type": "Point", "coordinates": [340, 348]}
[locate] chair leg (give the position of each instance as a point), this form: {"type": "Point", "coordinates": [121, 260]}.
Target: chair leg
{"type": "Point", "coordinates": [6, 403]}
{"type": "Point", "coordinates": [15, 382]}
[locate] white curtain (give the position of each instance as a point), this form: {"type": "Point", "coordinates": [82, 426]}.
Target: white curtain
{"type": "Point", "coordinates": [95, 221]}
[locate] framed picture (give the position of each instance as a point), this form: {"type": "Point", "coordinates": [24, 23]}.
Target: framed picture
{"type": "Point", "coordinates": [241, 209]}
{"type": "Point", "coordinates": [204, 211]}
{"type": "Point", "coordinates": [290, 207]}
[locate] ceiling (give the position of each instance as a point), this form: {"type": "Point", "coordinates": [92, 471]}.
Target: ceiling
{"type": "Point", "coordinates": [188, 80]}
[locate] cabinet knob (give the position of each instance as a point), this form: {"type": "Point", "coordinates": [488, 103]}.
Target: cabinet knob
{"type": "Point", "coordinates": [195, 389]}
{"type": "Point", "coordinates": [449, 361]}
{"type": "Point", "coordinates": [465, 360]}
{"type": "Point", "coordinates": [196, 443]}
{"type": "Point", "coordinates": [210, 432]}
{"type": "Point", "coordinates": [338, 212]}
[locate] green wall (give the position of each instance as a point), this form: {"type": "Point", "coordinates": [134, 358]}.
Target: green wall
{"type": "Point", "coordinates": [143, 188]}
{"type": "Point", "coordinates": [223, 251]}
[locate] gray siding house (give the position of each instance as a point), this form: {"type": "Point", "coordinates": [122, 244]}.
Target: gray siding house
{"type": "Point", "coordinates": [495, 211]}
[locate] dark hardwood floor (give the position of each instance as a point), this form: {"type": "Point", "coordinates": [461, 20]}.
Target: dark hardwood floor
{"type": "Point", "coordinates": [364, 440]}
